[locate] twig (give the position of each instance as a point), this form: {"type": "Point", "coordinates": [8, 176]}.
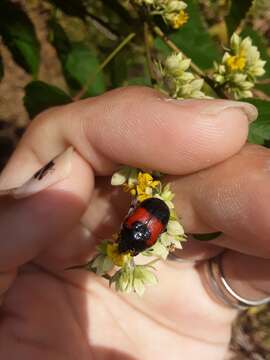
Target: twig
{"type": "Point", "coordinates": [104, 27]}
{"type": "Point", "coordinates": [148, 54]}
{"type": "Point", "coordinates": [82, 92]}
{"type": "Point", "coordinates": [263, 81]}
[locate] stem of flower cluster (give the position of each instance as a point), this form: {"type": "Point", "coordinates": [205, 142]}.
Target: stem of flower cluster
{"type": "Point", "coordinates": [148, 53]}
{"type": "Point", "coordinates": [108, 59]}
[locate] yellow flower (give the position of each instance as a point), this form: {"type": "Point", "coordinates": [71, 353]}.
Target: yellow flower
{"type": "Point", "coordinates": [113, 254]}
{"type": "Point", "coordinates": [179, 19]}
{"type": "Point", "coordinates": [145, 186]}
{"type": "Point", "coordinates": [237, 62]}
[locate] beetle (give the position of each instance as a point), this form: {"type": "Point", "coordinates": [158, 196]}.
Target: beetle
{"type": "Point", "coordinates": [143, 226]}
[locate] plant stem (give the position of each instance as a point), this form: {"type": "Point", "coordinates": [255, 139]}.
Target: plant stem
{"type": "Point", "coordinates": [148, 54]}
{"type": "Point", "coordinates": [123, 43]}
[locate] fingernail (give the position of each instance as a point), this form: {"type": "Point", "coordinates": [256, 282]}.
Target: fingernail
{"type": "Point", "coordinates": [217, 107]}
{"type": "Point", "coordinates": [55, 170]}
{"type": "Point", "coordinates": [207, 237]}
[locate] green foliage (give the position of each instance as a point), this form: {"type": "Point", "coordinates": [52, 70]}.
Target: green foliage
{"type": "Point", "coordinates": [260, 129]}
{"type": "Point", "coordinates": [238, 11]}
{"type": "Point", "coordinates": [194, 39]}
{"type": "Point", "coordinates": [19, 36]}
{"type": "Point", "coordinates": [79, 62]}
{"type": "Point", "coordinates": [119, 69]}
{"type": "Point", "coordinates": [82, 66]}
{"type": "Point", "coordinates": [40, 96]}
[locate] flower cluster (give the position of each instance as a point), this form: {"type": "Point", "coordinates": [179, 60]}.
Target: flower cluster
{"type": "Point", "coordinates": [180, 81]}
{"type": "Point", "coordinates": [120, 268]}
{"type": "Point", "coordinates": [172, 11]}
{"type": "Point", "coordinates": [240, 67]}
{"type": "Point", "coordinates": [140, 184]}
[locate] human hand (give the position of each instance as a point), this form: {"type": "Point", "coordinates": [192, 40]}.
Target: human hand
{"type": "Point", "coordinates": [220, 185]}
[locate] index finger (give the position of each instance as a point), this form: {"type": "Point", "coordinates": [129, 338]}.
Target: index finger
{"type": "Point", "coordinates": [134, 126]}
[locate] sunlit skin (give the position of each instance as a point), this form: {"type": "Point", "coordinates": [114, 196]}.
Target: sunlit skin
{"type": "Point", "coordinates": [220, 185]}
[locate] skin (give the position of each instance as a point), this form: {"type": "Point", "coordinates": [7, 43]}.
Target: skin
{"type": "Point", "coordinates": [221, 184]}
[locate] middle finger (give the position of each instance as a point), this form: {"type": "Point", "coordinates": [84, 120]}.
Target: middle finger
{"type": "Point", "coordinates": [231, 197]}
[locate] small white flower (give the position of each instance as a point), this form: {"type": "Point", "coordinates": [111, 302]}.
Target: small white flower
{"type": "Point", "coordinates": [175, 5]}
{"type": "Point", "coordinates": [102, 264]}
{"type": "Point", "coordinates": [133, 279]}
{"type": "Point", "coordinates": [172, 241]}
{"type": "Point", "coordinates": [235, 42]}
{"type": "Point", "coordinates": [240, 67]}
{"type": "Point", "coordinates": [239, 78]}
{"type": "Point", "coordinates": [120, 177]}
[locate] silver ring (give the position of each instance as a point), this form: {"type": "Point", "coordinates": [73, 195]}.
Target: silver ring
{"type": "Point", "coordinates": [223, 291]}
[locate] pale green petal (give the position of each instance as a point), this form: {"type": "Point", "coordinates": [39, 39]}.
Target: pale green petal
{"type": "Point", "coordinates": [139, 287]}
{"type": "Point", "coordinates": [235, 41]}
{"type": "Point", "coordinates": [246, 85]}
{"type": "Point", "coordinates": [226, 56]}
{"type": "Point", "coordinates": [186, 76]}
{"type": "Point", "coordinates": [107, 264]}
{"type": "Point", "coordinates": [175, 228]}
{"type": "Point", "coordinates": [98, 261]}
{"type": "Point", "coordinates": [149, 278]}
{"type": "Point", "coordinates": [185, 64]}
{"type": "Point", "coordinates": [158, 250]}
{"type": "Point", "coordinates": [120, 176]}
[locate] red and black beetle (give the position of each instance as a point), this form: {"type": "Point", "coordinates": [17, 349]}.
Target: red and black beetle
{"type": "Point", "coordinates": [143, 226]}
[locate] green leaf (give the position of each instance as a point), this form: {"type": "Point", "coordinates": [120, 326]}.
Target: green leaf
{"type": "Point", "coordinates": [138, 81]}
{"type": "Point", "coordinates": [119, 69]}
{"type": "Point", "coordinates": [193, 39]}
{"type": "Point", "coordinates": [59, 40]}
{"type": "Point", "coordinates": [71, 7]}
{"type": "Point", "coordinates": [81, 67]}
{"type": "Point", "coordinates": [259, 131]}
{"type": "Point", "coordinates": [79, 62]}
{"type": "Point", "coordinates": [238, 11]}
{"type": "Point", "coordinates": [40, 96]}
{"type": "Point", "coordinates": [1, 68]}
{"type": "Point", "coordinates": [19, 36]}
